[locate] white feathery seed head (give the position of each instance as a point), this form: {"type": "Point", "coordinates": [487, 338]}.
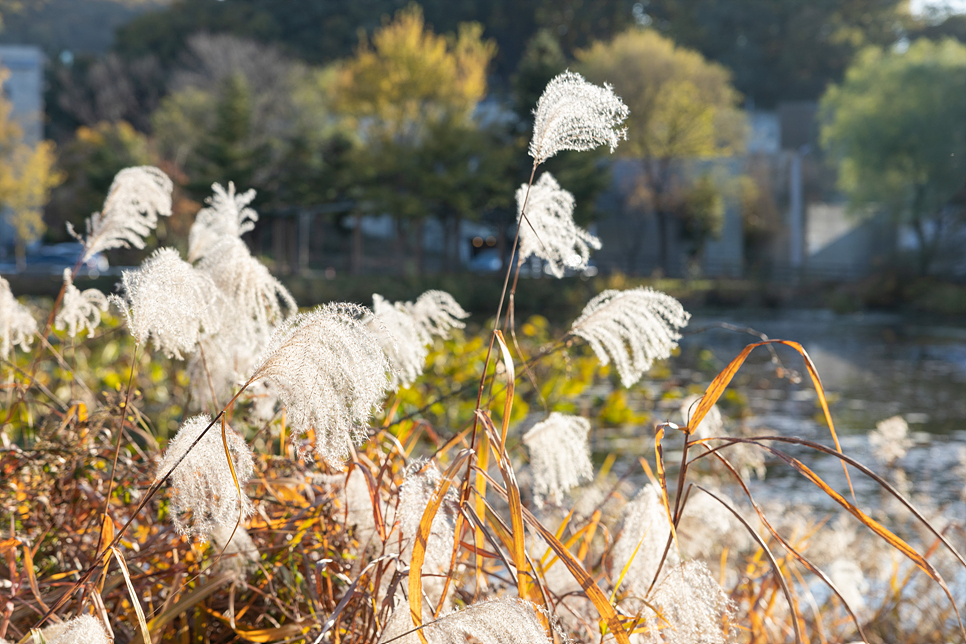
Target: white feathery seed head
{"type": "Point", "coordinates": [435, 314]}
{"type": "Point", "coordinates": [645, 523]}
{"type": "Point", "coordinates": [850, 581]}
{"type": "Point", "coordinates": [202, 484]}
{"type": "Point", "coordinates": [170, 301]}
{"type": "Point", "coordinates": [396, 331]}
{"type": "Point", "coordinates": [136, 198]}
{"type": "Point", "coordinates": [417, 488]}
{"type": "Point", "coordinates": [17, 325]}
{"type": "Point", "coordinates": [83, 629]}
{"type": "Point", "coordinates": [695, 607]}
{"type": "Point", "coordinates": [79, 310]}
{"type": "Point", "coordinates": [573, 114]}
{"type": "Point", "coordinates": [633, 327]}
{"type": "Point", "coordinates": [227, 214]}
{"type": "Point", "coordinates": [559, 455]}
{"type": "Point", "coordinates": [506, 620]}
{"type": "Point", "coordinates": [889, 440]}
{"type": "Point", "coordinates": [238, 551]}
{"type": "Point", "coordinates": [247, 282]}
{"type": "Point", "coordinates": [548, 230]}
{"type": "Point", "coordinates": [329, 372]}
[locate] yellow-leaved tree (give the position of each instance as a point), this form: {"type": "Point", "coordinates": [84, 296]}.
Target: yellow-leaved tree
{"type": "Point", "coordinates": [682, 107]}
{"type": "Point", "coordinates": [408, 75]}
{"type": "Point", "coordinates": [27, 175]}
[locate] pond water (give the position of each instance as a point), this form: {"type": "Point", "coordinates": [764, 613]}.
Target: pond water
{"type": "Point", "coordinates": [872, 367]}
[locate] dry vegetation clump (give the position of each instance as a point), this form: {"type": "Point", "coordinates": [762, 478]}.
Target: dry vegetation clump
{"type": "Point", "coordinates": [359, 476]}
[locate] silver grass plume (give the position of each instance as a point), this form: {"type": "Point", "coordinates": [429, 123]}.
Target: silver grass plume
{"type": "Point", "coordinates": [633, 327]}
{"type": "Point", "coordinates": [573, 114]}
{"type": "Point", "coordinates": [329, 372]}
{"type": "Point", "coordinates": [202, 484]}
{"type": "Point", "coordinates": [435, 313]}
{"type": "Point", "coordinates": [549, 231]}
{"type": "Point", "coordinates": [17, 326]}
{"type": "Point", "coordinates": [695, 607]}
{"type": "Point", "coordinates": [238, 551]}
{"type": "Point", "coordinates": [848, 577]}
{"type": "Point", "coordinates": [559, 455]}
{"type": "Point", "coordinates": [507, 620]}
{"type": "Point", "coordinates": [79, 310]}
{"type": "Point", "coordinates": [421, 480]}
{"type": "Point", "coordinates": [136, 198]}
{"type": "Point", "coordinates": [397, 333]}
{"type": "Point", "coordinates": [889, 440]}
{"type": "Point", "coordinates": [170, 301]}
{"type": "Point", "coordinates": [645, 523]}
{"type": "Point", "coordinates": [83, 629]}
{"type": "Point", "coordinates": [227, 214]}
{"type": "Point", "coordinates": [247, 283]}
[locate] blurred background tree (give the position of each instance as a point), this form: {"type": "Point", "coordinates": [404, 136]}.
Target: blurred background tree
{"type": "Point", "coordinates": [27, 175]}
{"type": "Point", "coordinates": [682, 107]}
{"type": "Point", "coordinates": [896, 127]}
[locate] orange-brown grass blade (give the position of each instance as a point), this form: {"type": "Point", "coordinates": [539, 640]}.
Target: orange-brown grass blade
{"type": "Point", "coordinates": [774, 564]}
{"type": "Point", "coordinates": [28, 568]}
{"type": "Point", "coordinates": [721, 381]}
{"type": "Point", "coordinates": [373, 497]}
{"type": "Point", "coordinates": [868, 521]}
{"type": "Point", "coordinates": [662, 477]}
{"type": "Point", "coordinates": [133, 594]}
{"type": "Point", "coordinates": [812, 568]}
{"type": "Point", "coordinates": [607, 612]}
{"type": "Point", "coordinates": [517, 531]}
{"type": "Point", "coordinates": [185, 604]}
{"type": "Point", "coordinates": [510, 386]}
{"type": "Point", "coordinates": [422, 537]}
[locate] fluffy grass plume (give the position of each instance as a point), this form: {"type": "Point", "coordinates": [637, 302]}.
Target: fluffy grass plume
{"type": "Point", "coordinates": [889, 440]}
{"type": "Point", "coordinates": [549, 231]}
{"type": "Point", "coordinates": [203, 492]}
{"type": "Point", "coordinates": [633, 327]}
{"type": "Point", "coordinates": [329, 371]}
{"type": "Point", "coordinates": [83, 629]}
{"type": "Point", "coordinates": [170, 301]}
{"type": "Point", "coordinates": [17, 326]}
{"type": "Point", "coordinates": [396, 330]}
{"type": "Point", "coordinates": [506, 620]}
{"type": "Point", "coordinates": [79, 310]}
{"type": "Point", "coordinates": [645, 523]}
{"type": "Point", "coordinates": [573, 114]}
{"type": "Point", "coordinates": [136, 198]}
{"type": "Point", "coordinates": [695, 607]}
{"type": "Point", "coordinates": [559, 455]}
{"type": "Point", "coordinates": [227, 214]}
{"type": "Point", "coordinates": [436, 313]}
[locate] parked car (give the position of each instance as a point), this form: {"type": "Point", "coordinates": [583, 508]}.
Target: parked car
{"type": "Point", "coordinates": [52, 259]}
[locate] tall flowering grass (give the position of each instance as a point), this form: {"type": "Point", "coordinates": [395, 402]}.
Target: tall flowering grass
{"type": "Point", "coordinates": [222, 468]}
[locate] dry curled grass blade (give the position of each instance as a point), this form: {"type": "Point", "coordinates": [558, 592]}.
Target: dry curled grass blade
{"type": "Point", "coordinates": [142, 623]}
{"type": "Point", "coordinates": [812, 568]}
{"type": "Point", "coordinates": [721, 381]}
{"type": "Point", "coordinates": [662, 477]}
{"type": "Point", "coordinates": [879, 529]}
{"type": "Point", "coordinates": [604, 608]}
{"type": "Point", "coordinates": [771, 559]}
{"type": "Point", "coordinates": [422, 538]}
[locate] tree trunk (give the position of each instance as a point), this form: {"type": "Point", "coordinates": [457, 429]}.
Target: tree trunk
{"type": "Point", "coordinates": [355, 258]}
{"type": "Point", "coordinates": [420, 269]}
{"type": "Point", "coordinates": [662, 240]}
{"type": "Point", "coordinates": [919, 226]}
{"type": "Point", "coordinates": [400, 246]}
{"type": "Point", "coordinates": [20, 251]}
